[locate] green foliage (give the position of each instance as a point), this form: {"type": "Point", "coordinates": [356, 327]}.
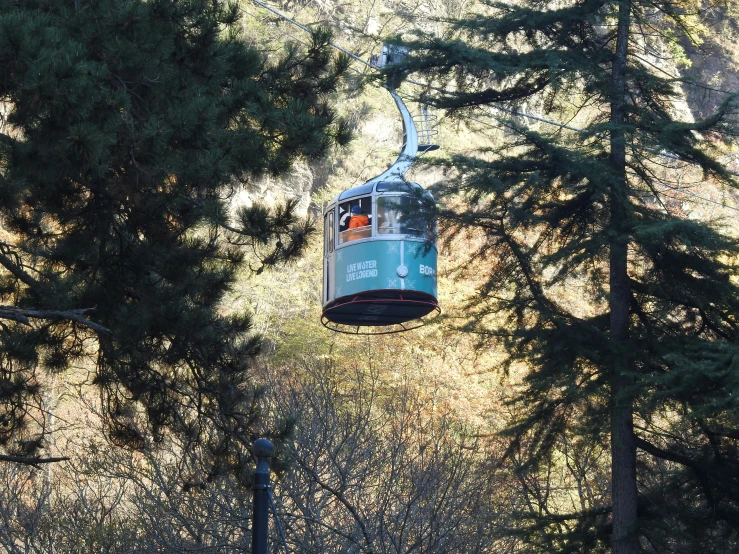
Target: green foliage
{"type": "Point", "coordinates": [552, 209]}
{"type": "Point", "coordinates": [126, 126]}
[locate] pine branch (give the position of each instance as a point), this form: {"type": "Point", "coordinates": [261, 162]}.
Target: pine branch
{"type": "Point", "coordinates": [8, 140]}
{"type": "Point", "coordinates": [524, 264]}
{"type": "Point", "coordinates": [726, 432]}
{"type": "Point", "coordinates": [699, 469]}
{"type": "Point", "coordinates": [8, 264]}
{"type": "Point", "coordinates": [658, 452]}
{"type": "Point", "coordinates": [686, 301]}
{"type": "Point", "coordinates": [22, 315]}
{"type": "Point", "coordinates": [561, 518]}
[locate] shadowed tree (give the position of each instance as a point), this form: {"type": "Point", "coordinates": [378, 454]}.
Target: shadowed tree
{"type": "Point", "coordinates": [125, 126]}
{"type": "Point", "coordinates": [645, 362]}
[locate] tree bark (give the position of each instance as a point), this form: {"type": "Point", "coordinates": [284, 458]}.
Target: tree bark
{"type": "Point", "coordinates": [623, 446]}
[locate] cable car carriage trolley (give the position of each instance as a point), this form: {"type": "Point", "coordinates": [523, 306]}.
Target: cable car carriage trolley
{"type": "Point", "coordinates": [380, 251]}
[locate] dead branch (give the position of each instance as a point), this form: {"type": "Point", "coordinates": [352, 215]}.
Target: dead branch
{"type": "Point", "coordinates": [31, 461]}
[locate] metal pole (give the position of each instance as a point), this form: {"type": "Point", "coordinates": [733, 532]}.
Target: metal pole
{"type": "Point", "coordinates": [263, 450]}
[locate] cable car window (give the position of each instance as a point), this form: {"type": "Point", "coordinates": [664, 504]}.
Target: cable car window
{"type": "Point", "coordinates": [355, 219]}
{"type": "Point", "coordinates": [403, 215]}
{"type": "Point", "coordinates": [328, 232]}
{"type": "Point", "coordinates": [387, 186]}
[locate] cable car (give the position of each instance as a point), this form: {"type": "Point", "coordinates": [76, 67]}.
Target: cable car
{"type": "Point", "coordinates": [380, 250]}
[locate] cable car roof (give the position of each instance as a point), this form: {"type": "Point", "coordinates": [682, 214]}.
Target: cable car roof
{"type": "Point", "coordinates": [361, 190]}
{"type": "Point", "coordinates": [384, 186]}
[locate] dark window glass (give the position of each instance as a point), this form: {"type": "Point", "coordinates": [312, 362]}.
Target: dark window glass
{"type": "Point", "coordinates": [325, 233]}
{"type": "Point", "coordinates": [389, 186]}
{"type": "Point", "coordinates": [331, 231]}
{"type": "Point", "coordinates": [404, 215]}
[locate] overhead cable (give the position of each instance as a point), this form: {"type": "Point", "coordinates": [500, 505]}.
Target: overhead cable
{"type": "Point", "coordinates": [505, 109]}
{"type": "Point", "coordinates": [307, 30]}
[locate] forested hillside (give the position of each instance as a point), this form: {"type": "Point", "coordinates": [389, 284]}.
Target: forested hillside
{"type": "Point", "coordinates": [164, 167]}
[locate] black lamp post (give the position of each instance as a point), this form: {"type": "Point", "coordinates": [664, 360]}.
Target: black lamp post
{"type": "Point", "coordinates": [263, 450]}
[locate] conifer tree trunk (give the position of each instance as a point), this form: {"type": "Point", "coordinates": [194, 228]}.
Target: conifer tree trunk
{"type": "Point", "coordinates": [623, 446]}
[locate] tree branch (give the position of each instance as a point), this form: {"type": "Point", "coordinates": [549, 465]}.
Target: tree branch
{"type": "Point", "coordinates": [23, 315]}
{"type": "Point", "coordinates": [8, 140]}
{"type": "Point", "coordinates": [8, 264]}
{"type": "Point", "coordinates": [665, 454]}
{"type": "Point", "coordinates": [342, 499]}
{"type": "Point", "coordinates": [698, 468]}
{"type": "Point", "coordinates": [31, 461]}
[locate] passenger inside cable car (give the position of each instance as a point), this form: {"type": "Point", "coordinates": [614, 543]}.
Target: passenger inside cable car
{"type": "Point", "coordinates": [360, 223]}
{"type": "Point", "coordinates": [355, 220]}
{"type": "Point", "coordinates": [379, 273]}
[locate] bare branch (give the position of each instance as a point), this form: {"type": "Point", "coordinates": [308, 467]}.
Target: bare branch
{"type": "Point", "coordinates": [31, 461]}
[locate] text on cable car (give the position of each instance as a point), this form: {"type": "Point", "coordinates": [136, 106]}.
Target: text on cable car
{"type": "Point", "coordinates": [427, 270]}
{"type": "Point", "coordinates": [361, 270]}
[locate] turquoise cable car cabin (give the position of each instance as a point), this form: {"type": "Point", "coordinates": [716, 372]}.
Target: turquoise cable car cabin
{"type": "Point", "coordinates": [380, 250]}
{"type": "Point", "coordinates": [380, 257]}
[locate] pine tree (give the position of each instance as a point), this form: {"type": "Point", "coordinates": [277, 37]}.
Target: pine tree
{"type": "Point", "coordinates": [648, 370]}
{"type": "Point", "coordinates": [125, 126]}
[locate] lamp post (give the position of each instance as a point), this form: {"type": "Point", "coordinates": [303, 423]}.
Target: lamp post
{"type": "Point", "coordinates": [263, 450]}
